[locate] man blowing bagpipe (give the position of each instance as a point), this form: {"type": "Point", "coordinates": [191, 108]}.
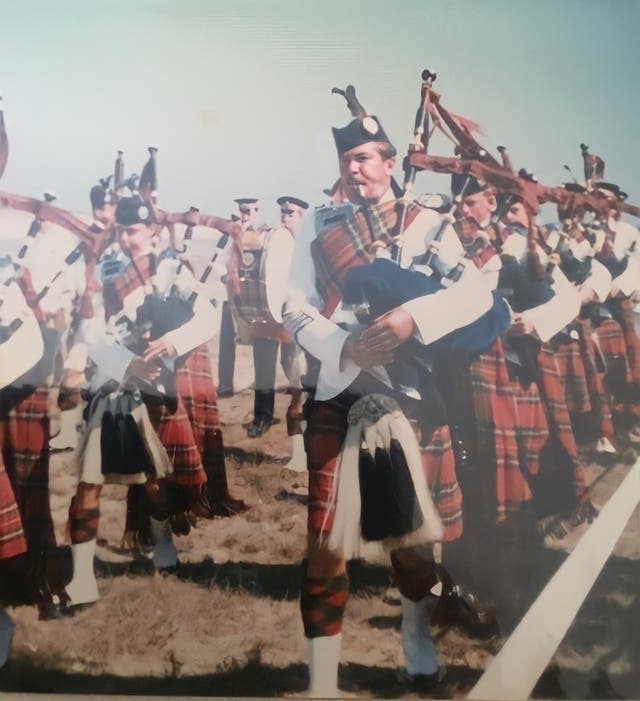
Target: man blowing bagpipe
{"type": "Point", "coordinates": [371, 248]}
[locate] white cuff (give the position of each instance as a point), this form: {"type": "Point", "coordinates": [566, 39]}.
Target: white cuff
{"type": "Point", "coordinates": [324, 340]}
{"type": "Point", "coordinates": [599, 280]}
{"type": "Point", "coordinates": [198, 330]}
{"type": "Point", "coordinates": [550, 318]}
{"type": "Point", "coordinates": [629, 281]}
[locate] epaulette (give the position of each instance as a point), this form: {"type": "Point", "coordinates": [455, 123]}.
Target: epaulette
{"type": "Point", "coordinates": [328, 217]}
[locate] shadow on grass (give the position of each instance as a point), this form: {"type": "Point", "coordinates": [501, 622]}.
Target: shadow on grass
{"type": "Point", "coordinates": [278, 582]}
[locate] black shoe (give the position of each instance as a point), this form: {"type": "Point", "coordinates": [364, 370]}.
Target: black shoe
{"type": "Point", "coordinates": [69, 610]}
{"type": "Point", "coordinates": [169, 570]}
{"type": "Point", "coordinates": [404, 683]}
{"type": "Point", "coordinates": [460, 609]}
{"type": "Point", "coordinates": [225, 392]}
{"type": "Point", "coordinates": [422, 683]}
{"type": "Point", "coordinates": [258, 428]}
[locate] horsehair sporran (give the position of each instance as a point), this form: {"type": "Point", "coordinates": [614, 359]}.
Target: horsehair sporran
{"type": "Point", "coordinates": [374, 421]}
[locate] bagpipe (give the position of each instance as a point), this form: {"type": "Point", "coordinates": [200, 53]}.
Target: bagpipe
{"type": "Point", "coordinates": [28, 345]}
{"type": "Point", "coordinates": [523, 280]}
{"type": "Point", "coordinates": [161, 310]}
{"type": "Point", "coordinates": [373, 288]}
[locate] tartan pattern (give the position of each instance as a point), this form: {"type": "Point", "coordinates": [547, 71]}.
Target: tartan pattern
{"type": "Point", "coordinates": [552, 393]}
{"type": "Point", "coordinates": [575, 373]}
{"type": "Point", "coordinates": [510, 429]}
{"type": "Point", "coordinates": [324, 436]}
{"type": "Point", "coordinates": [197, 389]}
{"type": "Point", "coordinates": [347, 245]}
{"type": "Point", "coordinates": [194, 388]}
{"type": "Point", "coordinates": [617, 346]}
{"type": "Point", "coordinates": [572, 372]}
{"type": "Point", "coordinates": [439, 463]}
{"type": "Point", "coordinates": [12, 540]}
{"type": "Point", "coordinates": [24, 439]}
{"type": "Point", "coordinates": [612, 343]}
{"type": "Point", "coordinates": [322, 603]}
{"type": "Point", "coordinates": [116, 290]}
{"type": "Point", "coordinates": [622, 310]}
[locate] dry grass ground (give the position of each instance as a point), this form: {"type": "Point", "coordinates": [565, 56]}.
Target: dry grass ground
{"type": "Point", "coordinates": [228, 622]}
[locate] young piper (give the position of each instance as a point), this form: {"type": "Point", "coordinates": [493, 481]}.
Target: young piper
{"type": "Point", "coordinates": [153, 418]}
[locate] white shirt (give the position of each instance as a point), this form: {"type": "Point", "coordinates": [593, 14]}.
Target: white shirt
{"type": "Point", "coordinates": [112, 358]}
{"type": "Point", "coordinates": [434, 315]}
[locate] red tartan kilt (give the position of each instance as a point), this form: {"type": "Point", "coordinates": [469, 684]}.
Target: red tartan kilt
{"type": "Point", "coordinates": [597, 397]}
{"type": "Point", "coordinates": [552, 391]}
{"type": "Point", "coordinates": [573, 375]}
{"type": "Point", "coordinates": [326, 430]}
{"type": "Point", "coordinates": [12, 541]}
{"type": "Point", "coordinates": [439, 464]}
{"type": "Point", "coordinates": [181, 429]}
{"type": "Point", "coordinates": [24, 438]}
{"type": "Point", "coordinates": [504, 415]}
{"type": "Point", "coordinates": [612, 342]}
{"type": "Point", "coordinates": [197, 389]}
{"type": "Point", "coordinates": [632, 341]}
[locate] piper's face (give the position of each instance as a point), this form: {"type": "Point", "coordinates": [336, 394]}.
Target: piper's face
{"type": "Point", "coordinates": [248, 215]}
{"type": "Point", "coordinates": [291, 217]}
{"type": "Point", "coordinates": [136, 240]}
{"type": "Point", "coordinates": [106, 214]}
{"type": "Point", "coordinates": [517, 214]}
{"type": "Point", "coordinates": [478, 207]}
{"type": "Point", "coordinates": [365, 174]}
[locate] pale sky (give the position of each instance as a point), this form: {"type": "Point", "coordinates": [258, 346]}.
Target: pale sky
{"type": "Point", "coordinates": [236, 94]}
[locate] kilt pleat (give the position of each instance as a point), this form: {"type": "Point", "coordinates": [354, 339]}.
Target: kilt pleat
{"type": "Point", "coordinates": [612, 343]}
{"type": "Point", "coordinates": [324, 436]}
{"type": "Point", "coordinates": [572, 371]}
{"type": "Point", "coordinates": [24, 439]}
{"type": "Point", "coordinates": [12, 541]}
{"type": "Point", "coordinates": [197, 388]}
{"type": "Point", "coordinates": [510, 430]}
{"type": "Point", "coordinates": [552, 392]}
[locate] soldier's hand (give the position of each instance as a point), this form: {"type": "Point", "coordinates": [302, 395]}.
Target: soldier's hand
{"type": "Point", "coordinates": [160, 348]}
{"type": "Point", "coordinates": [366, 358]}
{"type": "Point", "coordinates": [521, 326]}
{"type": "Point", "coordinates": [142, 370]}
{"type": "Point", "coordinates": [389, 331]}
